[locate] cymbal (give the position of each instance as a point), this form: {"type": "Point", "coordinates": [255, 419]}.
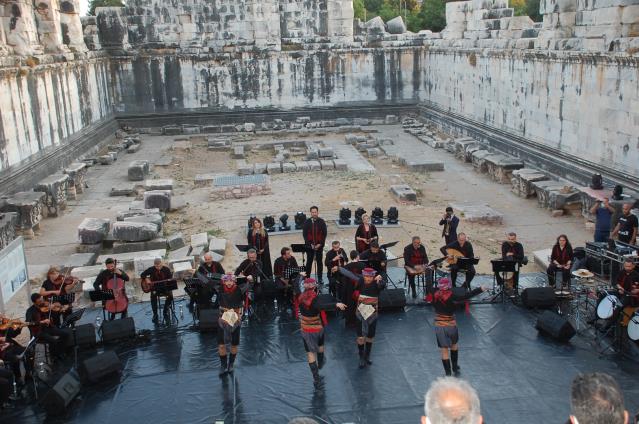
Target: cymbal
{"type": "Point", "coordinates": [583, 273]}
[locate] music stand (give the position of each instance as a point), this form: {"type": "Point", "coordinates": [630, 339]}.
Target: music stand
{"type": "Point", "coordinates": [101, 296]}
{"type": "Point", "coordinates": [28, 347]}
{"type": "Point", "coordinates": [164, 286]}
{"type": "Point", "coordinates": [243, 247]}
{"type": "Point", "coordinates": [384, 273]}
{"type": "Point", "coordinates": [463, 264]}
{"type": "Point", "coordinates": [70, 321]}
{"type": "Point", "coordinates": [502, 266]}
{"type": "Point", "coordinates": [300, 248]}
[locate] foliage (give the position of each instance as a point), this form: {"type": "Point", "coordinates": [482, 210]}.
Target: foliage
{"type": "Point", "coordinates": [433, 15]}
{"type": "Point", "coordinates": [360, 10]}
{"type": "Point", "coordinates": [103, 3]}
{"type": "Point", "coordinates": [532, 10]}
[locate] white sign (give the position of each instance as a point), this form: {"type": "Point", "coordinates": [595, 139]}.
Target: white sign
{"type": "Point", "coordinates": [13, 271]}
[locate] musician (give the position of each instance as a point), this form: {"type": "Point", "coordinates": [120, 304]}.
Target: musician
{"type": "Point", "coordinates": [315, 233]}
{"type": "Point", "coordinates": [111, 272]}
{"type": "Point", "coordinates": [10, 352]}
{"type": "Point", "coordinates": [603, 216]}
{"type": "Point", "coordinates": [466, 249]}
{"type": "Point", "coordinates": [231, 311]}
{"type": "Point", "coordinates": [285, 262]}
{"type": "Point", "coordinates": [445, 324]}
{"type": "Point", "coordinates": [42, 326]}
{"type": "Point", "coordinates": [205, 273]}
{"type": "Point", "coordinates": [375, 258]}
{"type": "Point", "coordinates": [628, 284]}
{"type": "Point", "coordinates": [54, 286]}
{"type": "Point", "coordinates": [348, 287]}
{"type": "Point", "coordinates": [560, 260]}
{"type": "Point", "coordinates": [159, 272]}
{"type": "Point", "coordinates": [511, 250]}
{"type": "Point", "coordinates": [335, 258]}
{"type": "Point", "coordinates": [369, 286]}
{"type": "Point", "coordinates": [251, 268]}
{"type": "Point", "coordinates": [450, 223]}
{"type": "Point", "coordinates": [257, 239]}
{"type": "Point", "coordinates": [5, 386]}
{"type": "Point", "coordinates": [415, 259]}
{"type": "Point", "coordinates": [626, 228]}
{"type": "Point", "coordinates": [365, 234]}
{"type": "Point", "coordinates": [312, 322]}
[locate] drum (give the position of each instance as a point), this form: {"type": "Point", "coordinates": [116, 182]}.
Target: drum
{"type": "Point", "coordinates": [633, 327]}
{"type": "Point", "coordinates": [563, 294]}
{"type": "Point", "coordinates": [608, 305]}
{"type": "Point", "coordinates": [628, 313]}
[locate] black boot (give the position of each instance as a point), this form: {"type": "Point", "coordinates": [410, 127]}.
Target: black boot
{"type": "Point", "coordinates": [454, 355]}
{"type": "Point", "coordinates": [231, 361]}
{"type": "Point", "coordinates": [369, 346]}
{"type": "Point", "coordinates": [362, 361]}
{"type": "Point", "coordinates": [320, 360]}
{"type": "Point", "coordinates": [446, 363]}
{"type": "Point", "coordinates": [317, 380]}
{"type": "Point", "coordinates": [223, 363]}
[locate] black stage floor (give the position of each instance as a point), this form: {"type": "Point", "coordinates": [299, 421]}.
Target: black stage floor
{"type": "Point", "coordinates": [172, 378]}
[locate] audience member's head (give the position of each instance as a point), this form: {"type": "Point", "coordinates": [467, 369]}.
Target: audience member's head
{"type": "Point", "coordinates": [451, 401]}
{"type": "Point", "coordinates": [596, 398]}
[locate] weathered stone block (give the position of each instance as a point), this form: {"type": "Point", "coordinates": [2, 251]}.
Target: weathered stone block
{"type": "Point", "coordinates": [244, 168]}
{"type": "Point", "coordinates": [190, 129]}
{"type": "Point", "coordinates": [55, 188]}
{"type": "Point", "coordinates": [326, 152]}
{"type": "Point", "coordinates": [164, 184]}
{"type": "Point", "coordinates": [79, 259]}
{"type": "Point", "coordinates": [314, 165]}
{"type": "Point", "coordinates": [175, 241]}
{"type": "Point", "coordinates": [133, 148]}
{"type": "Point", "coordinates": [82, 272]}
{"type": "Point", "coordinates": [238, 152]}
{"type": "Point", "coordinates": [88, 248]}
{"type": "Point", "coordinates": [93, 230]}
{"type": "Point", "coordinates": [217, 245]}
{"type": "Point", "coordinates": [151, 218]}
{"type": "Point", "coordinates": [137, 211]}
{"type": "Point", "coordinates": [134, 231]}
{"type": "Point", "coordinates": [136, 246]}
{"type": "Point", "coordinates": [373, 152]}
{"type": "Point", "coordinates": [404, 193]}
{"type": "Point", "coordinates": [340, 165]}
{"type": "Point", "coordinates": [396, 25]}
{"type": "Point", "coordinates": [391, 119]}
{"type": "Point", "coordinates": [259, 168]}
{"type": "Point", "coordinates": [181, 252]}
{"type": "Point", "coordinates": [138, 169]}
{"type": "Point", "coordinates": [274, 168]}
{"type": "Point", "coordinates": [249, 127]}
{"type": "Point", "coordinates": [288, 167]}
{"type": "Point", "coordinates": [423, 165]}
{"type": "Point", "coordinates": [302, 166]}
{"type": "Point", "coordinates": [8, 222]}
{"type": "Point", "coordinates": [77, 173]}
{"type": "Point", "coordinates": [199, 239]}
{"type": "Point", "coordinates": [160, 199]}
{"type": "Point", "coordinates": [327, 165]}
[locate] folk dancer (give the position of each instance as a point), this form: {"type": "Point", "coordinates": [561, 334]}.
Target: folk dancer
{"type": "Point", "coordinates": [159, 272]}
{"type": "Point", "coordinates": [369, 286]}
{"type": "Point", "coordinates": [347, 289]}
{"type": "Point", "coordinates": [315, 233]}
{"type": "Point", "coordinates": [312, 322]}
{"type": "Point", "coordinates": [335, 258]}
{"type": "Point", "coordinates": [560, 260]}
{"type": "Point", "coordinates": [445, 324]}
{"type": "Point", "coordinates": [231, 309]}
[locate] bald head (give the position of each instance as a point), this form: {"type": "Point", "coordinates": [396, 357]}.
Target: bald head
{"type": "Point", "coordinates": [451, 401]}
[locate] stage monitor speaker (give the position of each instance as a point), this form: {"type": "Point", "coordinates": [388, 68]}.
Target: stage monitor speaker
{"type": "Point", "coordinates": [84, 335]}
{"type": "Point", "coordinates": [56, 400]}
{"type": "Point", "coordinates": [95, 369]}
{"type": "Point", "coordinates": [326, 302]}
{"type": "Point", "coordinates": [208, 319]}
{"type": "Point", "coordinates": [118, 329]}
{"type": "Point", "coordinates": [555, 326]}
{"type": "Point", "coordinates": [391, 299]}
{"type": "Point", "coordinates": [538, 297]}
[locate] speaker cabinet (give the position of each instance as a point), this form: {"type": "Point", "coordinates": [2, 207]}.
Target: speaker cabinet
{"type": "Point", "coordinates": [208, 320]}
{"type": "Point", "coordinates": [392, 299]}
{"type": "Point", "coordinates": [118, 329]}
{"type": "Point", "coordinates": [555, 326]}
{"type": "Point", "coordinates": [326, 302]}
{"type": "Point", "coordinates": [84, 334]}
{"type": "Point", "coordinates": [538, 297]}
{"type": "Point", "coordinates": [95, 369]}
{"type": "Point", "coordinates": [56, 400]}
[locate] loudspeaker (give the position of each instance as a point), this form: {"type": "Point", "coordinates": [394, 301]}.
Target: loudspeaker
{"type": "Point", "coordinates": [555, 326]}
{"type": "Point", "coordinates": [326, 302]}
{"type": "Point", "coordinates": [84, 334]}
{"type": "Point", "coordinates": [208, 319]}
{"type": "Point", "coordinates": [390, 299]}
{"type": "Point", "coordinates": [598, 265]}
{"type": "Point", "coordinates": [56, 400]}
{"type": "Point", "coordinates": [118, 329]}
{"type": "Point", "coordinates": [93, 370]}
{"type": "Point", "coordinates": [538, 297]}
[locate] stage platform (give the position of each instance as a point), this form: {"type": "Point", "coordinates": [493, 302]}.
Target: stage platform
{"type": "Point", "coordinates": [171, 374]}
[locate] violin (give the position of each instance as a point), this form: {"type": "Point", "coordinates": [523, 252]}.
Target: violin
{"type": "Point", "coordinates": [66, 283]}
{"type": "Point", "coordinates": [47, 307]}
{"type": "Point", "coordinates": [14, 324]}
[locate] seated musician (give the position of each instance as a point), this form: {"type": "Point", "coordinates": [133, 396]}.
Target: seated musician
{"type": "Point", "coordinates": [159, 272]}
{"type": "Point", "coordinates": [111, 272]}
{"type": "Point", "coordinates": [511, 250]}
{"type": "Point", "coordinates": [560, 260]}
{"type": "Point", "coordinates": [251, 268]}
{"type": "Point", "coordinates": [375, 258]}
{"type": "Point", "coordinates": [10, 352]}
{"type": "Point", "coordinates": [466, 249]}
{"type": "Point", "coordinates": [365, 234]}
{"type": "Point", "coordinates": [205, 273]}
{"type": "Point", "coordinates": [284, 269]}
{"type": "Point", "coordinates": [628, 284]}
{"type": "Point", "coordinates": [42, 327]}
{"type": "Point", "coordinates": [335, 258]}
{"type": "Point", "coordinates": [54, 289]}
{"type": "Point", "coordinates": [415, 262]}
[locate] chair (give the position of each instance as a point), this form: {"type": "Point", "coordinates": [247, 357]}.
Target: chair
{"type": "Point", "coordinates": [420, 282]}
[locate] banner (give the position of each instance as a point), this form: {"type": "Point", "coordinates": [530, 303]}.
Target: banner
{"type": "Point", "coordinates": [13, 271]}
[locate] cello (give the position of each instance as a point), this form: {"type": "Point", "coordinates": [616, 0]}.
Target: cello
{"type": "Point", "coordinates": [120, 302]}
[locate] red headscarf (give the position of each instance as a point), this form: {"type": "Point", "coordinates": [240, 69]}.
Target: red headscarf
{"type": "Point", "coordinates": [444, 292]}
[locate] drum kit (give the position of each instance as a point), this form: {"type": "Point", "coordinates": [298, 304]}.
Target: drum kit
{"type": "Point", "coordinates": [611, 309]}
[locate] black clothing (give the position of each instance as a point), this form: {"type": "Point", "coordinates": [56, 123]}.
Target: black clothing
{"type": "Point", "coordinates": [377, 260]}
{"type": "Point", "coordinates": [104, 276]}
{"type": "Point", "coordinates": [627, 224]}
{"type": "Point", "coordinates": [47, 333]}
{"type": "Point", "coordinates": [230, 299]}
{"type": "Point", "coordinates": [154, 274]}
{"type": "Point", "coordinates": [5, 385]}
{"type": "Point", "coordinates": [467, 251]}
{"type": "Point", "coordinates": [254, 269]}
{"type": "Point", "coordinates": [260, 242]}
{"type": "Point", "coordinates": [562, 256]}
{"type": "Point", "coordinates": [314, 232]}
{"type": "Point", "coordinates": [361, 246]}
{"type": "Point", "coordinates": [449, 232]}
{"type": "Point", "coordinates": [285, 288]}
{"type": "Point", "coordinates": [330, 263]}
{"type": "Point", "coordinates": [447, 308]}
{"type": "Point", "coordinates": [517, 250]}
{"type": "Point", "coordinates": [11, 355]}
{"type": "Point", "coordinates": [345, 292]}
{"type": "Point", "coordinates": [203, 295]}
{"type": "Point", "coordinates": [625, 280]}
{"type": "Point", "coordinates": [414, 257]}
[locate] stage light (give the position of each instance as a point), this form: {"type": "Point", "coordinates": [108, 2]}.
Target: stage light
{"type": "Point", "coordinates": [377, 216]}
{"type": "Point", "coordinates": [300, 219]}
{"type": "Point", "coordinates": [617, 192]}
{"type": "Point", "coordinates": [392, 217]}
{"type": "Point", "coordinates": [250, 221]}
{"type": "Point", "coordinates": [269, 223]}
{"type": "Point", "coordinates": [344, 216]}
{"type": "Point", "coordinates": [283, 226]}
{"type": "Point", "coordinates": [358, 215]}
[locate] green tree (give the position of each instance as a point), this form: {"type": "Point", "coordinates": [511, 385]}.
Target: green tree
{"type": "Point", "coordinates": [373, 6]}
{"type": "Point", "coordinates": [103, 3]}
{"type": "Point", "coordinates": [433, 15]}
{"type": "Point", "coordinates": [519, 7]}
{"type": "Point", "coordinates": [360, 10]}
{"type": "Point", "coordinates": [532, 10]}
